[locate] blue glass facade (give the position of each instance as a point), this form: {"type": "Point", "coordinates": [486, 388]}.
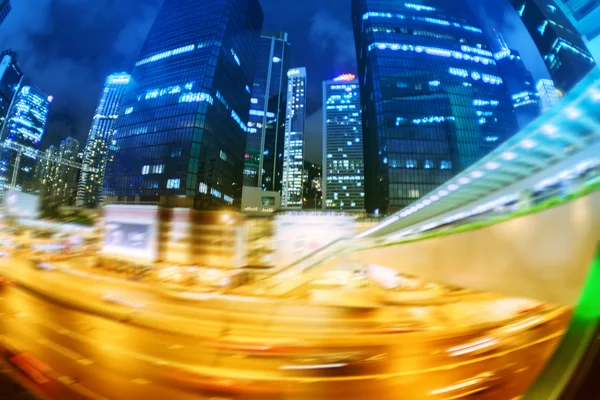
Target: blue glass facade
{"type": "Point", "coordinates": [10, 82]}
{"type": "Point", "coordinates": [264, 149]}
{"type": "Point", "coordinates": [182, 125]}
{"type": "Point", "coordinates": [25, 125]}
{"type": "Point", "coordinates": [89, 191]}
{"type": "Point", "coordinates": [343, 158]}
{"type": "Point", "coordinates": [433, 98]}
{"type": "Point", "coordinates": [5, 8]}
{"type": "Point", "coordinates": [564, 51]}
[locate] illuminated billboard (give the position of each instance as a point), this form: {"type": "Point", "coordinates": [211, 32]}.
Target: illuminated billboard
{"type": "Point", "coordinates": [131, 232]}
{"type": "Point", "coordinates": [21, 205]}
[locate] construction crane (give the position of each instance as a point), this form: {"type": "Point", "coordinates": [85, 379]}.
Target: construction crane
{"type": "Point", "coordinates": [36, 154]}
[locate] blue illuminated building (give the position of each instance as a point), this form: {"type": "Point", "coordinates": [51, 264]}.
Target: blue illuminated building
{"type": "Point", "coordinates": [585, 14]}
{"type": "Point", "coordinates": [293, 143]}
{"type": "Point", "coordinates": [10, 82]}
{"type": "Point", "coordinates": [5, 8]}
{"type": "Point", "coordinates": [565, 54]}
{"type": "Point", "coordinates": [433, 97]}
{"type": "Point", "coordinates": [25, 125]}
{"type": "Point", "coordinates": [521, 86]}
{"type": "Point", "coordinates": [266, 127]}
{"type": "Point", "coordinates": [343, 158]}
{"type": "Point", "coordinates": [180, 137]}
{"type": "Point", "coordinates": [89, 190]}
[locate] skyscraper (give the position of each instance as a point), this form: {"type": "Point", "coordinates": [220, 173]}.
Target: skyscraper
{"type": "Point", "coordinates": [521, 86]}
{"type": "Point", "coordinates": [547, 93]}
{"type": "Point", "coordinates": [585, 14]}
{"type": "Point", "coordinates": [5, 8]}
{"type": "Point", "coordinates": [58, 181]}
{"type": "Point", "coordinates": [343, 158]}
{"type": "Point", "coordinates": [10, 82]}
{"type": "Point", "coordinates": [264, 149]}
{"type": "Point", "coordinates": [89, 191]}
{"type": "Point", "coordinates": [25, 125]}
{"type": "Point", "coordinates": [293, 143]}
{"type": "Point", "coordinates": [564, 51]}
{"type": "Point", "coordinates": [432, 96]}
{"type": "Point", "coordinates": [181, 133]}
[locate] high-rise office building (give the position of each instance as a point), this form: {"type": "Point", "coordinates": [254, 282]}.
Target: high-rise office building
{"type": "Point", "coordinates": [584, 15]}
{"type": "Point", "coordinates": [432, 96]}
{"type": "Point", "coordinates": [264, 150]}
{"type": "Point", "coordinates": [564, 52]}
{"type": "Point", "coordinates": [547, 93]}
{"type": "Point", "coordinates": [521, 86]}
{"type": "Point", "coordinates": [10, 82]}
{"type": "Point", "coordinates": [5, 8]}
{"type": "Point", "coordinates": [25, 125]}
{"type": "Point", "coordinates": [58, 181]}
{"type": "Point", "coordinates": [180, 137]}
{"type": "Point", "coordinates": [89, 191]}
{"type": "Point", "coordinates": [343, 159]}
{"type": "Point", "coordinates": [293, 143]}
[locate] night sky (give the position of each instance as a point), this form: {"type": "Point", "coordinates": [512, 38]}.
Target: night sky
{"type": "Point", "coordinates": [67, 47]}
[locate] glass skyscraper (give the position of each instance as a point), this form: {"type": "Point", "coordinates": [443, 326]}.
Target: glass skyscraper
{"type": "Point", "coordinates": [432, 95]}
{"type": "Point", "coordinates": [565, 54]}
{"type": "Point", "coordinates": [10, 82]}
{"type": "Point", "coordinates": [89, 190]}
{"type": "Point", "coordinates": [585, 15]}
{"type": "Point", "coordinates": [25, 125]}
{"type": "Point", "coordinates": [5, 8]}
{"type": "Point", "coordinates": [521, 86]}
{"type": "Point", "coordinates": [264, 150]}
{"type": "Point", "coordinates": [58, 181]}
{"type": "Point", "coordinates": [547, 94]}
{"type": "Point", "coordinates": [293, 143]}
{"type": "Point", "coordinates": [180, 137]}
{"type": "Point", "coordinates": [343, 158]}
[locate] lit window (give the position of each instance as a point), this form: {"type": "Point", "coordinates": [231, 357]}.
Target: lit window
{"type": "Point", "coordinates": [428, 164]}
{"type": "Point", "coordinates": [173, 183]}
{"type": "Point", "coordinates": [145, 170]}
{"type": "Point", "coordinates": [129, 110]}
{"type": "Point", "coordinates": [411, 164]}
{"type": "Point", "coordinates": [203, 188]}
{"type": "Point", "coordinates": [414, 193]}
{"type": "Point", "coordinates": [445, 164]}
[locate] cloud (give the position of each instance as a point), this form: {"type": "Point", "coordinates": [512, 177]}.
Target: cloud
{"type": "Point", "coordinates": [333, 39]}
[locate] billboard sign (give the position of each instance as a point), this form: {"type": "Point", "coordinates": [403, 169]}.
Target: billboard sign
{"type": "Point", "coordinates": [131, 232]}
{"type": "Point", "coordinates": [21, 205]}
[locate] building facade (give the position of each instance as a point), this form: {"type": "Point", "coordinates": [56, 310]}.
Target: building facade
{"type": "Point", "coordinates": [521, 86]}
{"type": "Point", "coordinates": [10, 82]}
{"type": "Point", "coordinates": [343, 158]}
{"type": "Point", "coordinates": [564, 52]}
{"type": "Point", "coordinates": [432, 96]}
{"type": "Point", "coordinates": [5, 8]}
{"type": "Point", "coordinates": [293, 143]}
{"type": "Point", "coordinates": [263, 165]}
{"type": "Point", "coordinates": [180, 137]}
{"type": "Point", "coordinates": [24, 126]}
{"type": "Point", "coordinates": [585, 14]}
{"type": "Point", "coordinates": [57, 180]}
{"type": "Point", "coordinates": [89, 191]}
{"type": "Point", "coordinates": [547, 93]}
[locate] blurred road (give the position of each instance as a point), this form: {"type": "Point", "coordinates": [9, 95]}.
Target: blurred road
{"type": "Point", "coordinates": [231, 349]}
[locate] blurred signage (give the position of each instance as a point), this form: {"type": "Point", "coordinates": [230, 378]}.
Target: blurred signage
{"type": "Point", "coordinates": [131, 232]}
{"type": "Point", "coordinates": [22, 205]}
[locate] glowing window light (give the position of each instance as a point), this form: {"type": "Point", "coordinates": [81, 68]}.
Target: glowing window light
{"type": "Point", "coordinates": [196, 98]}
{"type": "Point", "coordinates": [129, 110]}
{"type": "Point", "coordinates": [458, 72]}
{"type": "Point", "coordinates": [419, 7]}
{"type": "Point", "coordinates": [166, 54]}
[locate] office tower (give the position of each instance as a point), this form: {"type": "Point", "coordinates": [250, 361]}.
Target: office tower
{"type": "Point", "coordinates": [432, 96]}
{"type": "Point", "coordinates": [10, 82]}
{"type": "Point", "coordinates": [547, 94]}
{"type": "Point", "coordinates": [180, 137]}
{"type": "Point", "coordinates": [520, 84]}
{"type": "Point", "coordinates": [565, 54]}
{"type": "Point", "coordinates": [58, 180]}
{"type": "Point", "coordinates": [5, 8]}
{"type": "Point", "coordinates": [24, 127]}
{"type": "Point", "coordinates": [343, 158]}
{"type": "Point", "coordinates": [584, 15]}
{"type": "Point", "coordinates": [89, 191]}
{"type": "Point", "coordinates": [293, 143]}
{"type": "Point", "coordinates": [264, 150]}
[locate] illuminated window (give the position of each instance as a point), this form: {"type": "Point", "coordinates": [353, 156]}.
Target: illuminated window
{"type": "Point", "coordinates": [445, 164]}
{"type": "Point", "coordinates": [145, 170]}
{"type": "Point", "coordinates": [173, 183]}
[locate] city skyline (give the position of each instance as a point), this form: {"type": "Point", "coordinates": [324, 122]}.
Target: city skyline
{"type": "Point", "coordinates": [315, 28]}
